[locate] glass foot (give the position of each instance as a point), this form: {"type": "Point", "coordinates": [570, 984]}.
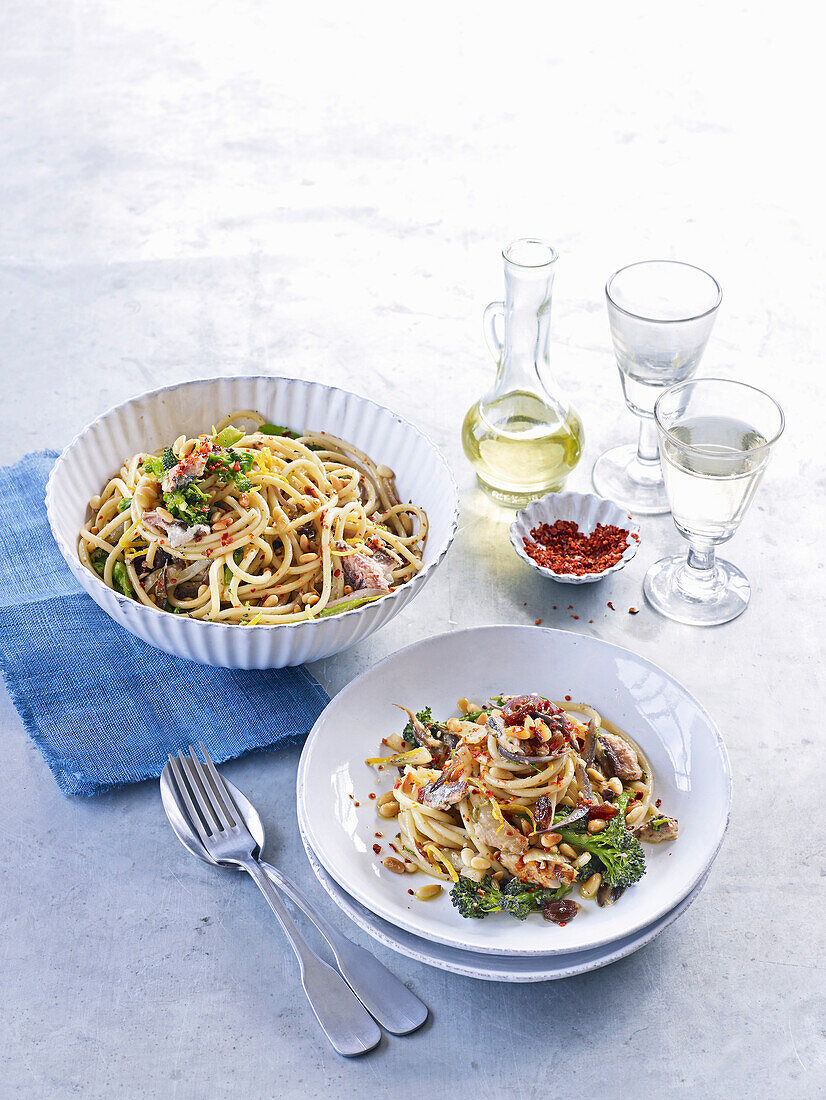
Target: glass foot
{"type": "Point", "coordinates": [699, 597]}
{"type": "Point", "coordinates": [638, 486]}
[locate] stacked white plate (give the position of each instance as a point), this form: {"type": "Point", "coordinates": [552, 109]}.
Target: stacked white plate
{"type": "Point", "coordinates": [339, 823]}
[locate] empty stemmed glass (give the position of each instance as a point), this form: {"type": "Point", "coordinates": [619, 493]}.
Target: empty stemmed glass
{"type": "Point", "coordinates": [661, 314]}
{"type": "Point", "coordinates": [715, 439]}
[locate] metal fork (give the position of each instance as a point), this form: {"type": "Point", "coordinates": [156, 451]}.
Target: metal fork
{"type": "Point", "coordinates": [343, 1018]}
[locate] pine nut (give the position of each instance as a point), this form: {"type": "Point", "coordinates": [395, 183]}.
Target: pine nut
{"type": "Point", "coordinates": [482, 720]}
{"type": "Point", "coordinates": [411, 868]}
{"type": "Point", "coordinates": [615, 785]}
{"type": "Point", "coordinates": [394, 865]}
{"type": "Point", "coordinates": [480, 863]}
{"type": "Point", "coordinates": [95, 503]}
{"type": "Point", "coordinates": [348, 591]}
{"type": "Point", "coordinates": [304, 543]}
{"type": "Point", "coordinates": [596, 826]}
{"type": "Point", "coordinates": [463, 705]}
{"type": "Point", "coordinates": [303, 559]}
{"type": "Point", "coordinates": [426, 893]}
{"type": "Point", "coordinates": [498, 876]}
{"type": "Point", "coordinates": [384, 471]}
{"type": "Point", "coordinates": [94, 530]}
{"type": "Point", "coordinates": [595, 775]}
{"type": "Point", "coordinates": [389, 809]}
{"type": "Point", "coordinates": [467, 856]}
{"type": "Point", "coordinates": [310, 598]}
{"type": "Point", "coordinates": [550, 840]}
{"type": "Point", "coordinates": [396, 742]}
{"type": "Point", "coordinates": [567, 851]}
{"type": "Point", "coordinates": [388, 796]}
{"type": "Point", "coordinates": [590, 886]}
{"type": "Point", "coordinates": [454, 725]}
{"type": "Point", "coordinates": [243, 500]}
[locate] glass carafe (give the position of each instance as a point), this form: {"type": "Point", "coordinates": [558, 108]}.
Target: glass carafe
{"type": "Point", "coordinates": [523, 438]}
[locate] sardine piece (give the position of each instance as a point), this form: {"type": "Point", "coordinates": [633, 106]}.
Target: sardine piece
{"type": "Point", "coordinates": [555, 872]}
{"type": "Point", "coordinates": [659, 829]}
{"type": "Point", "coordinates": [177, 532]}
{"type": "Point", "coordinates": [439, 796]}
{"type": "Point", "coordinates": [621, 756]}
{"type": "Point", "coordinates": [361, 571]}
{"type": "Point", "coordinates": [188, 469]}
{"type": "Point", "coordinates": [502, 837]}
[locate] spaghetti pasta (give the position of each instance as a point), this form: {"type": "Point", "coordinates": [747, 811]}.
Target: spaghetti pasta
{"type": "Point", "coordinates": [253, 524]}
{"type": "Point", "coordinates": [529, 792]}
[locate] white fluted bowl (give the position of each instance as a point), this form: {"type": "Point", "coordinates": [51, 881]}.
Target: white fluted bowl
{"type": "Point", "coordinates": [585, 509]}
{"type": "Point", "coordinates": [150, 421]}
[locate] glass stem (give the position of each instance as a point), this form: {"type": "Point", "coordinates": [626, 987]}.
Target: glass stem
{"type": "Point", "coordinates": [701, 559]}
{"type": "Point", "coordinates": [648, 447]}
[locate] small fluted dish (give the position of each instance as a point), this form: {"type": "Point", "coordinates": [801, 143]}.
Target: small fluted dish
{"type": "Point", "coordinates": [585, 509]}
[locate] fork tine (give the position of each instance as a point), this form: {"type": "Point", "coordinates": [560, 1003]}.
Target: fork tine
{"type": "Point", "coordinates": [221, 789]}
{"type": "Point", "coordinates": [180, 784]}
{"type": "Point", "coordinates": [216, 805]}
{"type": "Point", "coordinates": [197, 787]}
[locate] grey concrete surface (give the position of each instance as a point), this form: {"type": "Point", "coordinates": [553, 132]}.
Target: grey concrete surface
{"type": "Point", "coordinates": [323, 191]}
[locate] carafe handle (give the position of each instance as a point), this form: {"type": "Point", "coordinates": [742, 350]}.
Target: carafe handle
{"type": "Point", "coordinates": [494, 310]}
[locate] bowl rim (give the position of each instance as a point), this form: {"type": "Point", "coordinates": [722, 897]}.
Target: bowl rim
{"type": "Point", "coordinates": [73, 560]}
{"type": "Point", "coordinates": [628, 553]}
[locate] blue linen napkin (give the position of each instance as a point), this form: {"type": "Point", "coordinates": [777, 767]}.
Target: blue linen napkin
{"type": "Point", "coordinates": [103, 707]}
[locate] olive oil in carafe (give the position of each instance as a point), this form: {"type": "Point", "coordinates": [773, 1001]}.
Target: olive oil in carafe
{"type": "Point", "coordinates": [520, 448]}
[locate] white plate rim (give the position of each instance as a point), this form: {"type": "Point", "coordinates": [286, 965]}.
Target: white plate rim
{"type": "Point", "coordinates": [409, 926]}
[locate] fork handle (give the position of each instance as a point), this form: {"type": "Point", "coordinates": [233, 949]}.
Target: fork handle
{"type": "Point", "coordinates": [380, 991]}
{"type": "Point", "coordinates": [343, 1018]}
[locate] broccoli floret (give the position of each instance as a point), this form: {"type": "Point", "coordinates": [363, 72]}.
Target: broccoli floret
{"type": "Point", "coordinates": [616, 848]}
{"type": "Point", "coordinates": [425, 717]}
{"type": "Point", "coordinates": [521, 899]}
{"type": "Point", "coordinates": [188, 504]}
{"type": "Point", "coordinates": [153, 465]}
{"type": "Point", "coordinates": [476, 899]}
{"type": "Point", "coordinates": [169, 460]}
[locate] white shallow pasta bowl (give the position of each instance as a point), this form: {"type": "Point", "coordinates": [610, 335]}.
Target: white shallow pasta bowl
{"type": "Point", "coordinates": [490, 968]}
{"type": "Point", "coordinates": [585, 509]}
{"type": "Point", "coordinates": [150, 421]}
{"type": "Point", "coordinates": [685, 751]}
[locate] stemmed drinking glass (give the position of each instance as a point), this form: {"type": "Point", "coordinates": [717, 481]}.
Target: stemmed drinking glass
{"type": "Point", "coordinates": [715, 439]}
{"type": "Point", "coordinates": [661, 314]}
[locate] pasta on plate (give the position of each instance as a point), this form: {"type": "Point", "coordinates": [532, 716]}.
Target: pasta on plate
{"type": "Point", "coordinates": [520, 800]}
{"type": "Point", "coordinates": [251, 524]}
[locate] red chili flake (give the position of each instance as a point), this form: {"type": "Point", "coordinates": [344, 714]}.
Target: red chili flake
{"type": "Point", "coordinates": [410, 892]}
{"type": "Point", "coordinates": [236, 466]}
{"type": "Point", "coordinates": [561, 546]}
{"type": "Point", "coordinates": [575, 616]}
{"type": "Point", "coordinates": [350, 796]}
{"type": "Point", "coordinates": [658, 803]}
{"type": "Point", "coordinates": [633, 611]}
{"type": "Point", "coordinates": [554, 607]}
{"type": "Point", "coordinates": [590, 620]}
{"type": "Point", "coordinates": [611, 606]}
{"type": "Point", "coordinates": [379, 835]}
{"type": "Point", "coordinates": [567, 698]}
{"type": "Point", "coordinates": [570, 607]}
{"type": "Point", "coordinates": [336, 572]}
{"type": "Point", "coordinates": [377, 848]}
{"type": "Point", "coordinates": [371, 795]}
{"type": "Point", "coordinates": [356, 803]}
{"type": "Point", "coordinates": [537, 622]}
{"type": "Point", "coordinates": [226, 538]}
